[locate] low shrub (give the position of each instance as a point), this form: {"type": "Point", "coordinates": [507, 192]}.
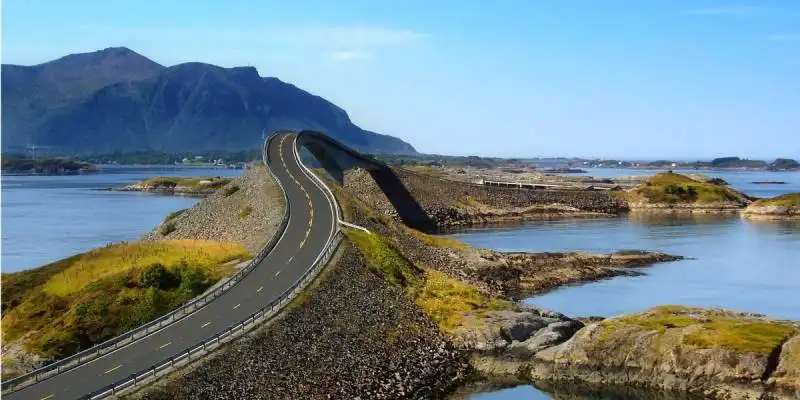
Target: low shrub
{"type": "Point", "coordinates": [229, 190]}
{"type": "Point", "coordinates": [167, 228]}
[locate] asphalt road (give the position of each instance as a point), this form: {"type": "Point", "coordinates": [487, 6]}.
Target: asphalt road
{"type": "Point", "coordinates": [311, 223]}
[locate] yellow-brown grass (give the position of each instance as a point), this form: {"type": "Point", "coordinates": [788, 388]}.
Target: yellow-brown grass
{"type": "Point", "coordinates": [437, 241]}
{"type": "Point", "coordinates": [71, 304]}
{"type": "Point", "coordinates": [670, 187]}
{"type": "Point", "coordinates": [446, 300]}
{"type": "Point", "coordinates": [100, 263]}
{"type": "Point", "coordinates": [712, 328]}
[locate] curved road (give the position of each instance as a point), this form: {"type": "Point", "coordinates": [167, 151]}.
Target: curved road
{"type": "Point", "coordinates": [311, 223]}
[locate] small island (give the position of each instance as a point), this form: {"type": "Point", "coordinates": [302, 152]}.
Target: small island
{"type": "Point", "coordinates": [195, 186]}
{"type": "Point", "coordinates": [17, 164]}
{"type": "Point", "coordinates": [676, 192]}
{"type": "Point", "coordinates": [785, 206]}
{"type": "Point", "coordinates": [768, 183]}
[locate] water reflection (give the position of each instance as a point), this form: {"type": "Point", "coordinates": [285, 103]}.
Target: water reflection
{"type": "Point", "coordinates": [508, 390]}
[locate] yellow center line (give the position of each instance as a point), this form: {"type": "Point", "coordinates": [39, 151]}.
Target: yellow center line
{"type": "Point", "coordinates": [277, 273]}
{"type": "Point", "coordinates": [114, 369]}
{"type": "Point", "coordinates": [237, 306]}
{"type": "Point", "coordinates": [164, 345]}
{"type": "Point", "coordinates": [47, 397]}
{"type": "Point", "coordinates": [260, 289]}
{"type": "Point", "coordinates": [308, 232]}
{"type": "Point", "coordinates": [206, 324]}
{"type": "Point", "coordinates": [302, 243]}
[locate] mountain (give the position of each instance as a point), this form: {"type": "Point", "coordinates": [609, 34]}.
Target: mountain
{"type": "Point", "coordinates": [117, 100]}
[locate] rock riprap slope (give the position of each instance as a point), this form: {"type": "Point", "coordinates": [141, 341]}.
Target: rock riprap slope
{"type": "Point", "coordinates": [246, 210]}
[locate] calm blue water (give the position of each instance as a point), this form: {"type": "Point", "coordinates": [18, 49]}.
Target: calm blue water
{"type": "Point", "coordinates": [739, 264]}
{"type": "Point", "coordinates": [46, 218]}
{"type": "Point", "coordinates": [740, 180]}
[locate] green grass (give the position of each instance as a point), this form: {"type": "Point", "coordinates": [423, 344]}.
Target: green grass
{"type": "Point", "coordinates": [174, 215]}
{"type": "Point", "coordinates": [784, 200]}
{"type": "Point", "coordinates": [385, 259]}
{"type": "Point", "coordinates": [446, 300]}
{"type": "Point", "coordinates": [674, 188]}
{"type": "Point", "coordinates": [195, 183]}
{"type": "Point", "coordinates": [708, 328]}
{"type": "Point", "coordinates": [229, 190]}
{"type": "Point", "coordinates": [167, 227]}
{"type": "Point", "coordinates": [246, 211]}
{"type": "Point", "coordinates": [82, 300]}
{"type": "Point", "coordinates": [437, 241]}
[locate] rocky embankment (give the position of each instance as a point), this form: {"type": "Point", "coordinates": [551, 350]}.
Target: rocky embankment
{"type": "Point", "coordinates": [782, 207]}
{"type": "Point", "coordinates": [452, 203]}
{"type": "Point", "coordinates": [178, 186]}
{"type": "Point", "coordinates": [353, 336]}
{"type": "Point", "coordinates": [246, 210]}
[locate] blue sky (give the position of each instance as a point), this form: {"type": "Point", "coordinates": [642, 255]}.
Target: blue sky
{"type": "Point", "coordinates": [613, 78]}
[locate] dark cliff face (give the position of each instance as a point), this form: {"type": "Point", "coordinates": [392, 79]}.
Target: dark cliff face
{"type": "Point", "coordinates": [117, 100]}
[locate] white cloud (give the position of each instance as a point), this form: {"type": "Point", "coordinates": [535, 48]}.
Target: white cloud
{"type": "Point", "coordinates": [737, 10]}
{"type": "Point", "coordinates": [786, 37]}
{"type": "Point", "coordinates": [340, 56]}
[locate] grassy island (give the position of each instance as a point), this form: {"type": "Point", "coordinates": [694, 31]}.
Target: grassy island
{"type": "Point", "coordinates": [785, 200]}
{"type": "Point", "coordinates": [194, 183]}
{"type": "Point", "coordinates": [786, 206]}
{"type": "Point", "coordinates": [672, 188]}
{"type": "Point", "coordinates": [69, 305]}
{"type": "Point", "coordinates": [193, 186]}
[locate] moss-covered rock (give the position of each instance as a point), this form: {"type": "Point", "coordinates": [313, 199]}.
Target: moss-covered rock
{"type": "Point", "coordinates": [716, 353]}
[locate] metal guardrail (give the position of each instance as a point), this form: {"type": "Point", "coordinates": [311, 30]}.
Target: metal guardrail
{"type": "Point", "coordinates": [236, 330]}
{"type": "Point", "coordinates": [151, 327]}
